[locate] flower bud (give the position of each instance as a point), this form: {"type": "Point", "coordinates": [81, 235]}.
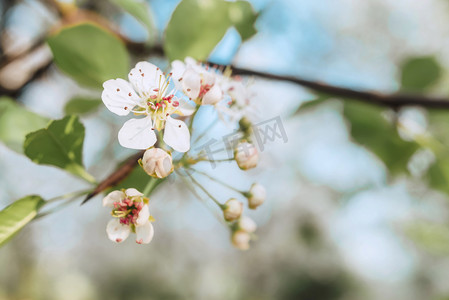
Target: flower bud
{"type": "Point", "coordinates": [240, 239]}
{"type": "Point", "coordinates": [245, 126]}
{"type": "Point", "coordinates": [247, 224]}
{"type": "Point", "coordinates": [256, 195]}
{"type": "Point", "coordinates": [246, 155]}
{"type": "Point", "coordinates": [157, 163]}
{"type": "Point", "coordinates": [232, 209]}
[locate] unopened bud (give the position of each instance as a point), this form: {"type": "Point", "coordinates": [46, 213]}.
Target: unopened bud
{"type": "Point", "coordinates": [245, 126]}
{"type": "Point", "coordinates": [246, 155]}
{"type": "Point", "coordinates": [240, 239]}
{"type": "Point", "coordinates": [247, 224]}
{"type": "Point", "coordinates": [256, 195]}
{"type": "Point", "coordinates": [157, 163]}
{"type": "Point", "coordinates": [232, 209]}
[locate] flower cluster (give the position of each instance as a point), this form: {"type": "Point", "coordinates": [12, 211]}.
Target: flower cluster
{"type": "Point", "coordinates": [162, 103]}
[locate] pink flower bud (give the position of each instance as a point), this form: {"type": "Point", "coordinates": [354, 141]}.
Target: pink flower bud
{"type": "Point", "coordinates": [246, 156]}
{"type": "Point", "coordinates": [240, 239]}
{"type": "Point", "coordinates": [257, 194]}
{"type": "Point", "coordinates": [232, 210]}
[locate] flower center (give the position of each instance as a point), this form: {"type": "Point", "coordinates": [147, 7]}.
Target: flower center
{"type": "Point", "coordinates": [127, 211]}
{"type": "Point", "coordinates": [204, 89]}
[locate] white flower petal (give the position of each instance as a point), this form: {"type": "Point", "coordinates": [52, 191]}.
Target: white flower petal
{"type": "Point", "coordinates": [208, 77]}
{"type": "Point", "coordinates": [145, 77]}
{"type": "Point", "coordinates": [144, 233]}
{"type": "Point", "coordinates": [185, 108]}
{"type": "Point", "coordinates": [119, 96]}
{"type": "Point", "coordinates": [178, 69]}
{"type": "Point", "coordinates": [131, 192]}
{"type": "Point", "coordinates": [213, 96]}
{"type": "Point", "coordinates": [117, 232]}
{"type": "Point", "coordinates": [191, 83]}
{"type": "Point", "coordinates": [115, 196]}
{"type": "Point", "coordinates": [190, 61]}
{"type": "Point", "coordinates": [177, 135]}
{"type": "Point", "coordinates": [137, 134]}
{"type": "Point", "coordinates": [144, 215]}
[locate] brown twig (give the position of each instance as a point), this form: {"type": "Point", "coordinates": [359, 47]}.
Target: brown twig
{"type": "Point", "coordinates": [391, 100]}
{"type": "Point", "coordinates": [117, 176]}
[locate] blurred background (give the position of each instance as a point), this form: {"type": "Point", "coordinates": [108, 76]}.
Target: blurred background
{"type": "Point", "coordinates": [338, 222]}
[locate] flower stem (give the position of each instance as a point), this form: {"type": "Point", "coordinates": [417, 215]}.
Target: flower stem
{"type": "Point", "coordinates": [215, 160]}
{"type": "Point", "coordinates": [205, 191]}
{"type": "Point", "coordinates": [219, 181]}
{"type": "Point", "coordinates": [192, 119]}
{"type": "Point", "coordinates": [150, 186]}
{"type": "Point", "coordinates": [69, 195]}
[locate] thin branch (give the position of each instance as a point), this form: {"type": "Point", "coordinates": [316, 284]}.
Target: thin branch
{"type": "Point", "coordinates": [391, 100]}
{"type": "Point", "coordinates": [117, 176]}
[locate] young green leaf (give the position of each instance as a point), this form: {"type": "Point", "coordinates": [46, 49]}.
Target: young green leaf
{"type": "Point", "coordinates": [15, 216]}
{"type": "Point", "coordinates": [243, 17]}
{"type": "Point", "coordinates": [60, 145]}
{"type": "Point", "coordinates": [438, 174]}
{"type": "Point", "coordinates": [89, 54]}
{"type": "Point", "coordinates": [197, 26]}
{"type": "Point", "coordinates": [431, 237]}
{"type": "Point", "coordinates": [138, 179]}
{"type": "Point", "coordinates": [16, 122]}
{"type": "Point", "coordinates": [420, 73]}
{"type": "Point", "coordinates": [81, 106]}
{"type": "Point", "coordinates": [138, 9]}
{"type": "Point", "coordinates": [370, 129]}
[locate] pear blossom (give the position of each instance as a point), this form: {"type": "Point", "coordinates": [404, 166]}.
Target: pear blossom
{"type": "Point", "coordinates": [246, 155]}
{"type": "Point", "coordinates": [200, 84]}
{"type": "Point", "coordinates": [256, 195]}
{"type": "Point", "coordinates": [130, 213]}
{"type": "Point", "coordinates": [241, 104]}
{"type": "Point", "coordinates": [146, 94]}
{"type": "Point", "coordinates": [232, 209]}
{"type": "Point", "coordinates": [157, 163]}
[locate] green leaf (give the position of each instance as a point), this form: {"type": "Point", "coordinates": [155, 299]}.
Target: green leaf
{"type": "Point", "coordinates": [81, 106]}
{"type": "Point", "coordinates": [243, 16]}
{"type": "Point", "coordinates": [60, 145]}
{"type": "Point", "coordinates": [420, 73]}
{"type": "Point", "coordinates": [197, 26]}
{"type": "Point", "coordinates": [15, 216]}
{"type": "Point", "coordinates": [438, 174]}
{"type": "Point", "coordinates": [89, 54]}
{"type": "Point", "coordinates": [317, 101]}
{"type": "Point", "coordinates": [138, 179]}
{"type": "Point", "coordinates": [438, 127]}
{"type": "Point", "coordinates": [16, 122]}
{"type": "Point", "coordinates": [370, 129]}
{"type": "Point", "coordinates": [433, 238]}
{"type": "Point", "coordinates": [138, 9]}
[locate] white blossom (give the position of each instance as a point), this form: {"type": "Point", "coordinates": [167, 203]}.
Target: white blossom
{"type": "Point", "coordinates": [146, 94]}
{"type": "Point", "coordinates": [200, 84]}
{"type": "Point", "coordinates": [130, 213]}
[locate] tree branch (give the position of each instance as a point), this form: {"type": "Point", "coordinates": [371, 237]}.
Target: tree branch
{"type": "Point", "coordinates": [117, 176]}
{"type": "Point", "coordinates": [391, 100]}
